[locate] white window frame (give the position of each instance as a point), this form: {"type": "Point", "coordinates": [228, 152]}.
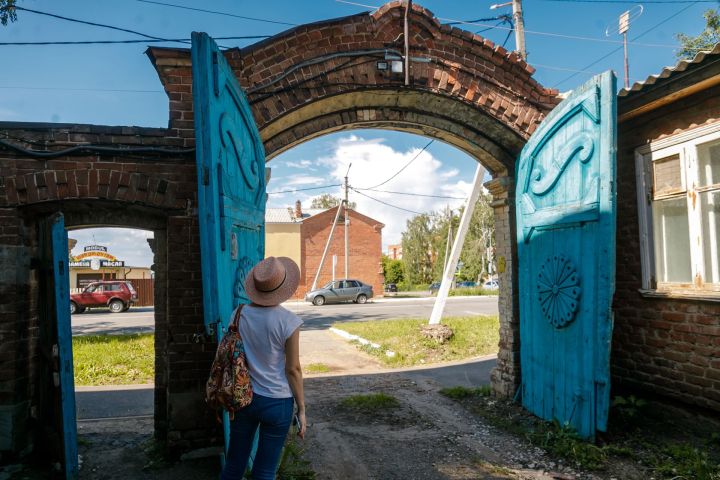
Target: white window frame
{"type": "Point", "coordinates": [685, 145]}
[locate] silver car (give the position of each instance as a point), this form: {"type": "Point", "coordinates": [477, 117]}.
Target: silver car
{"type": "Point", "coordinates": [340, 291]}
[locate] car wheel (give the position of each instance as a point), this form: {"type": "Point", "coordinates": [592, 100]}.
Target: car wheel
{"type": "Point", "coordinates": [362, 298]}
{"type": "Point", "coordinates": [73, 308]}
{"type": "Point", "coordinates": [116, 306]}
{"type": "Point", "coordinates": [127, 307]}
{"type": "Point", "coordinates": [319, 300]}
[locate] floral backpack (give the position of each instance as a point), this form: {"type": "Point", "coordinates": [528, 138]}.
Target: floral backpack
{"type": "Point", "coordinates": [229, 384]}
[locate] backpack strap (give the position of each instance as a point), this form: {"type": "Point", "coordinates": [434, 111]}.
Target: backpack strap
{"type": "Point", "coordinates": [236, 317]}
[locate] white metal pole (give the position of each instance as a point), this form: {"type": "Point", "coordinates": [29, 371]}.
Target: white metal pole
{"type": "Point", "coordinates": [457, 248]}
{"type": "Point", "coordinates": [519, 28]}
{"type": "Point", "coordinates": [347, 232]}
{"type": "Point", "coordinates": [327, 247]}
{"type": "Point", "coordinates": [334, 266]}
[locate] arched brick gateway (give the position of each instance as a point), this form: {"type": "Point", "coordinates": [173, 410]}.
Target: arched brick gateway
{"type": "Point", "coordinates": [311, 80]}
{"type": "Point", "coordinates": [323, 77]}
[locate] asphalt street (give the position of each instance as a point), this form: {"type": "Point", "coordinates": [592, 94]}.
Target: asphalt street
{"type": "Point", "coordinates": [141, 319]}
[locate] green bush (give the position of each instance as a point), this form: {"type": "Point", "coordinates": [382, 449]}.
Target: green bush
{"type": "Point", "coordinates": [406, 287]}
{"type": "Point", "coordinates": [466, 292]}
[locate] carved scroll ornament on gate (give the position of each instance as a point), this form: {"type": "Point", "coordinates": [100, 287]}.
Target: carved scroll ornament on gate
{"type": "Point", "coordinates": [543, 178]}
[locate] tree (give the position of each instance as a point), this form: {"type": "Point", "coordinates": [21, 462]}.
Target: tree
{"type": "Point", "coordinates": [7, 11]}
{"type": "Point", "coordinates": [706, 40]}
{"type": "Point", "coordinates": [327, 200]}
{"type": "Point", "coordinates": [417, 250]}
{"type": "Point", "coordinates": [392, 270]}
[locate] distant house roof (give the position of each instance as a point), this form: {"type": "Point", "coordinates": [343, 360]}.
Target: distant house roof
{"type": "Point", "coordinates": [287, 215]}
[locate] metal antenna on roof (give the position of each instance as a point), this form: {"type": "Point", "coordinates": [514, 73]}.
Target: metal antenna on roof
{"type": "Point", "coordinates": [622, 28]}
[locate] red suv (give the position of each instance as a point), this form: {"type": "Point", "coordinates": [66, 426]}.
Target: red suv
{"type": "Point", "coordinates": [117, 295]}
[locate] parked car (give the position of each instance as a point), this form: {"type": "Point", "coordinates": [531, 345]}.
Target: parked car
{"type": "Point", "coordinates": [466, 284]}
{"type": "Point", "coordinates": [434, 287]}
{"type": "Point", "coordinates": [491, 285]}
{"type": "Point", "coordinates": [390, 287]}
{"type": "Point", "coordinates": [117, 295]}
{"type": "Point", "coordinates": [340, 291]}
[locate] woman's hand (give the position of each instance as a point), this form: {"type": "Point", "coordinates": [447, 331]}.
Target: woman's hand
{"type": "Point", "coordinates": [302, 426]}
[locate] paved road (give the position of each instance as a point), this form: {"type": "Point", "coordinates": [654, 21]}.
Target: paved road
{"type": "Point", "coordinates": [141, 319]}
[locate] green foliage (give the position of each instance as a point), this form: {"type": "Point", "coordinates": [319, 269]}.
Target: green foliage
{"type": "Point", "coordinates": [685, 461]}
{"type": "Point", "coordinates": [292, 464]}
{"type": "Point", "coordinates": [563, 441]}
{"type": "Point", "coordinates": [392, 270]}
{"type": "Point", "coordinates": [418, 250]}
{"type": "Point", "coordinates": [7, 11]}
{"type": "Point", "coordinates": [370, 403]}
{"type": "Point", "coordinates": [459, 392]}
{"type": "Point", "coordinates": [114, 359]}
{"type": "Point", "coordinates": [327, 200]}
{"type": "Point", "coordinates": [407, 287]}
{"type": "Point", "coordinates": [465, 292]}
{"type": "Point", "coordinates": [705, 40]}
{"type": "Point", "coordinates": [629, 408]}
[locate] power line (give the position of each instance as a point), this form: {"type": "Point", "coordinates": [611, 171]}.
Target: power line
{"type": "Point", "coordinates": [219, 13]}
{"type": "Point", "coordinates": [632, 1]}
{"type": "Point", "coordinates": [305, 189]}
{"type": "Point", "coordinates": [413, 194]}
{"type": "Point", "coordinates": [84, 22]}
{"type": "Point", "coordinates": [385, 203]}
{"type": "Point", "coordinates": [620, 47]}
{"type": "Point", "coordinates": [404, 167]}
{"type": "Point", "coordinates": [105, 42]}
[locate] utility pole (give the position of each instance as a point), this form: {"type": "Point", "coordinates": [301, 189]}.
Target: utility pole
{"type": "Point", "coordinates": [623, 27]}
{"type": "Point", "coordinates": [347, 226]}
{"type": "Point", "coordinates": [518, 25]}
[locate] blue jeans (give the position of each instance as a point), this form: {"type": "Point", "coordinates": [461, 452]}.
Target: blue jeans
{"type": "Point", "coordinates": [273, 416]}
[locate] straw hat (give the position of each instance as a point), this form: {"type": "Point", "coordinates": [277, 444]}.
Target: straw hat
{"type": "Point", "coordinates": [272, 281]}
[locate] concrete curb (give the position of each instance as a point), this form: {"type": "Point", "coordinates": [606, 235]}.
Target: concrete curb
{"type": "Point", "coordinates": [362, 341]}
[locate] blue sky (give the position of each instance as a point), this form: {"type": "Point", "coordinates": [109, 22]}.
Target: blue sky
{"type": "Point", "coordinates": [117, 85]}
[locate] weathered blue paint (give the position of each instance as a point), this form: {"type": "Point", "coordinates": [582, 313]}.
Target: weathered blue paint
{"type": "Point", "coordinates": [231, 185]}
{"type": "Point", "coordinates": [565, 197]}
{"type": "Point", "coordinates": [61, 281]}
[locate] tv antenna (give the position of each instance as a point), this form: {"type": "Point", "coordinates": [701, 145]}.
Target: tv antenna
{"type": "Point", "coordinates": [622, 28]}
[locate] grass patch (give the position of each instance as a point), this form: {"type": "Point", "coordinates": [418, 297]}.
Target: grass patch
{"type": "Point", "coordinates": [316, 368]}
{"type": "Point", "coordinates": [370, 403]}
{"type": "Point", "coordinates": [472, 291]}
{"type": "Point", "coordinates": [114, 359]}
{"type": "Point", "coordinates": [456, 393]}
{"type": "Point", "coordinates": [473, 336]}
{"type": "Point", "coordinates": [292, 464]}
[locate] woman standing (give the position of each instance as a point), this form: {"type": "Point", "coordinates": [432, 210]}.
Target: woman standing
{"type": "Point", "coordinates": [271, 337]}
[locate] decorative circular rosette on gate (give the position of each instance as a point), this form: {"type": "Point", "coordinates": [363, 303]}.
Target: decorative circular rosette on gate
{"type": "Point", "coordinates": [558, 290]}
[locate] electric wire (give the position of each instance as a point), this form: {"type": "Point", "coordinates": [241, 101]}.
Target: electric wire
{"type": "Point", "coordinates": [403, 168]}
{"type": "Point", "coordinates": [220, 13]}
{"type": "Point", "coordinates": [413, 194]}
{"type": "Point", "coordinates": [107, 42]}
{"type": "Point", "coordinates": [620, 48]}
{"type": "Point", "coordinates": [386, 203]}
{"type": "Point", "coordinates": [94, 24]}
{"type": "Point", "coordinates": [80, 149]}
{"type": "Point", "coordinates": [632, 1]}
{"type": "Point", "coordinates": [304, 189]}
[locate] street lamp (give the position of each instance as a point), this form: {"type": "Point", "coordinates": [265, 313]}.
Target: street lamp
{"type": "Point", "coordinates": [518, 23]}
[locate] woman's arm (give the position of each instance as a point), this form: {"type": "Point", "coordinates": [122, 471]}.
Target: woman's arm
{"type": "Point", "coordinates": [294, 376]}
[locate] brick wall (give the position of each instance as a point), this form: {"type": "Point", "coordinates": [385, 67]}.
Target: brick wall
{"type": "Point", "coordinates": [365, 239]}
{"type": "Point", "coordinates": [154, 190]}
{"type": "Point", "coordinates": [666, 346]}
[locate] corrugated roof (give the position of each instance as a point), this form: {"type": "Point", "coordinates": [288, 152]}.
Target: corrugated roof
{"type": "Point", "coordinates": [667, 72]}
{"type": "Point", "coordinates": [287, 215]}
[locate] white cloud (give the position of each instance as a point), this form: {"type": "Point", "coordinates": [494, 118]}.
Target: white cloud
{"type": "Point", "coordinates": [128, 245]}
{"type": "Point", "coordinates": [300, 164]}
{"type": "Point", "coordinates": [373, 162]}
{"type": "Point", "coordinates": [298, 180]}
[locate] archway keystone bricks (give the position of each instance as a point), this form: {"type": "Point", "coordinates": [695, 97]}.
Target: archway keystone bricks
{"type": "Point", "coordinates": [308, 81]}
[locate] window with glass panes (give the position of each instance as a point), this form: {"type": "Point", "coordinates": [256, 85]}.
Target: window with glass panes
{"type": "Point", "coordinates": [679, 200]}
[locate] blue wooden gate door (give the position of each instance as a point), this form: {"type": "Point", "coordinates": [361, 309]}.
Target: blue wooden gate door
{"type": "Point", "coordinates": [565, 197]}
{"type": "Point", "coordinates": [54, 252]}
{"type": "Point", "coordinates": [231, 184]}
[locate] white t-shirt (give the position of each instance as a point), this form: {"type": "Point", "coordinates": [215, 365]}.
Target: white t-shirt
{"type": "Point", "coordinates": [264, 331]}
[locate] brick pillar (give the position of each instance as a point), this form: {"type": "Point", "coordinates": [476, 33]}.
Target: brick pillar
{"type": "Point", "coordinates": [158, 245]}
{"type": "Point", "coordinates": [505, 376]}
{"type": "Point", "coordinates": [16, 334]}
{"type": "Point", "coordinates": [190, 424]}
